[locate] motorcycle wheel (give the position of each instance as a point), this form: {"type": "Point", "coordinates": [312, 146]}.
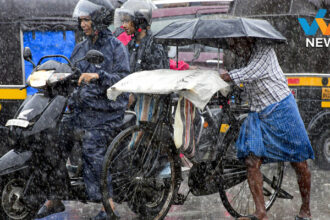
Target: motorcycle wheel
{"type": "Point", "coordinates": [234, 188]}
{"type": "Point", "coordinates": [12, 207]}
{"type": "Point", "coordinates": [139, 188]}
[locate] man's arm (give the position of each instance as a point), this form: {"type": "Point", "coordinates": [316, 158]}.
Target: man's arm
{"type": "Point", "coordinates": [255, 69]}
{"type": "Point", "coordinates": [120, 67]}
{"type": "Point", "coordinates": [120, 70]}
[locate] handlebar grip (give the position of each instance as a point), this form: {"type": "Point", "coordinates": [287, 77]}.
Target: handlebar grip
{"type": "Point", "coordinates": [74, 81]}
{"type": "Point", "coordinates": [93, 81]}
{"type": "Point", "coordinates": [24, 87]}
{"type": "Point", "coordinates": [82, 83]}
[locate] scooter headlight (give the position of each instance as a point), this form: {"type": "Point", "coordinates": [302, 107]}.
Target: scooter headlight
{"type": "Point", "coordinates": [39, 78]}
{"type": "Point", "coordinates": [55, 77]}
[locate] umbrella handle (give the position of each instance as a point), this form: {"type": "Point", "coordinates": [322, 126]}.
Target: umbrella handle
{"type": "Point", "coordinates": [218, 66]}
{"type": "Point", "coordinates": [177, 56]}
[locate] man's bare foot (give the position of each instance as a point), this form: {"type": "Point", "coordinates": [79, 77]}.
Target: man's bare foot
{"type": "Point", "coordinates": [304, 212]}
{"type": "Point", "coordinates": [112, 205]}
{"type": "Point", "coordinates": [254, 217]}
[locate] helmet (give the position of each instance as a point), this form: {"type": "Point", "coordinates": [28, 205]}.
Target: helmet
{"type": "Point", "coordinates": [137, 11]}
{"type": "Point", "coordinates": [100, 11]}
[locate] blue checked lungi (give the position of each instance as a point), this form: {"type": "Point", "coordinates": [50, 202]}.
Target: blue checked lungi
{"type": "Point", "coordinates": [277, 133]}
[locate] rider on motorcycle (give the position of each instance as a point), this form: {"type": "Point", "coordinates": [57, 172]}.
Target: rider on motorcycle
{"type": "Point", "coordinates": [90, 111]}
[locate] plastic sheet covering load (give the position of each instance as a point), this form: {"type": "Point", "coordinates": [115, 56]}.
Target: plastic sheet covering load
{"type": "Point", "coordinates": [198, 86]}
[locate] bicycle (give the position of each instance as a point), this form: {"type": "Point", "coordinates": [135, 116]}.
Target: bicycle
{"type": "Point", "coordinates": [137, 169]}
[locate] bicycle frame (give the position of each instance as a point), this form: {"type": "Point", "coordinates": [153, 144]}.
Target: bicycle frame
{"type": "Point", "coordinates": [219, 174]}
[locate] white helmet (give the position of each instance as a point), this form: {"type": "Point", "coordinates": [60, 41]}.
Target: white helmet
{"type": "Point", "coordinates": [137, 11]}
{"type": "Point", "coordinates": [101, 12]}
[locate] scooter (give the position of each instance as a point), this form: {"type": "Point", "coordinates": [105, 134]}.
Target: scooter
{"type": "Point", "coordinates": [33, 132]}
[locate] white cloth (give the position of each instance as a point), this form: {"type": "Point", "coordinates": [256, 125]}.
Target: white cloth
{"type": "Point", "coordinates": [198, 86]}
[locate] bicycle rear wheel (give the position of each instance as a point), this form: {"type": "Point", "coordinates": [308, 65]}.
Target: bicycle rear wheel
{"type": "Point", "coordinates": [144, 174]}
{"type": "Point", "coordinates": [234, 189]}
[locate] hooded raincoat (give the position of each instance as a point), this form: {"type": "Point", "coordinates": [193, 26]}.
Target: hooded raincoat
{"type": "Point", "coordinates": [91, 112]}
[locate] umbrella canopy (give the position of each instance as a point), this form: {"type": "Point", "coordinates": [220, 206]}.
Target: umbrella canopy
{"type": "Point", "coordinates": [215, 32]}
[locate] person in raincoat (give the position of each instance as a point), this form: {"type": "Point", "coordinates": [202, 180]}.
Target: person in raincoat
{"type": "Point", "coordinates": [135, 16]}
{"type": "Point", "coordinates": [273, 130]}
{"type": "Point", "coordinates": [120, 32]}
{"type": "Point", "coordinates": [90, 111]}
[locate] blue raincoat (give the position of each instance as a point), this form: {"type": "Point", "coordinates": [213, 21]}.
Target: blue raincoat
{"type": "Point", "coordinates": [90, 100]}
{"type": "Point", "coordinates": [92, 112]}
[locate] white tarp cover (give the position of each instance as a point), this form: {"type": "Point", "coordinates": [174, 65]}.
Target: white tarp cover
{"type": "Point", "coordinates": [198, 86]}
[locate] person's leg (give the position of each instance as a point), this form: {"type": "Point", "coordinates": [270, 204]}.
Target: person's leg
{"type": "Point", "coordinates": [304, 183]}
{"type": "Point", "coordinates": [93, 151]}
{"type": "Point", "coordinates": [58, 176]}
{"type": "Point", "coordinates": [255, 181]}
{"type": "Point", "coordinates": [95, 143]}
{"type": "Point", "coordinates": [61, 180]}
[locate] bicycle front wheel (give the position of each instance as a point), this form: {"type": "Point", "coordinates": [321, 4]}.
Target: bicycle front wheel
{"type": "Point", "coordinates": [234, 188]}
{"type": "Point", "coordinates": [144, 174]}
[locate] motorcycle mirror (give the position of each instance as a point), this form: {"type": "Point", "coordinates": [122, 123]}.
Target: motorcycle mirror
{"type": "Point", "coordinates": [27, 55]}
{"type": "Point", "coordinates": [94, 56]}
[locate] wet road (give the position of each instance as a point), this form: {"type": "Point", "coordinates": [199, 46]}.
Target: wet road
{"type": "Point", "coordinates": [210, 207]}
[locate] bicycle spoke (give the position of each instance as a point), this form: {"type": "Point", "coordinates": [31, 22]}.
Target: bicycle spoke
{"type": "Point", "coordinates": [234, 170]}
{"type": "Point", "coordinates": [122, 172]}
{"type": "Point", "coordinates": [126, 152]}
{"type": "Point", "coordinates": [122, 192]}
{"type": "Point", "coordinates": [145, 154]}
{"type": "Point", "coordinates": [136, 151]}
{"type": "Point", "coordinates": [118, 180]}
{"type": "Point", "coordinates": [233, 179]}
{"type": "Point", "coordinates": [247, 210]}
{"type": "Point", "coordinates": [238, 194]}
{"type": "Point", "coordinates": [134, 198]}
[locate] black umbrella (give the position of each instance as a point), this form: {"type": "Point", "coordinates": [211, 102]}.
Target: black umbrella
{"type": "Point", "coordinates": [215, 32]}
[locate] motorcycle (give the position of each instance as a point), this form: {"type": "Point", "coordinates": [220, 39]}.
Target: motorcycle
{"type": "Point", "coordinates": [33, 132]}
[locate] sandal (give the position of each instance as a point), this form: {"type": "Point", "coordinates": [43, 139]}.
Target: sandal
{"type": "Point", "coordinates": [302, 218]}
{"type": "Point", "coordinates": [253, 217]}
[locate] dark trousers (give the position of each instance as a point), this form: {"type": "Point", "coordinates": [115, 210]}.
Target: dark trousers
{"type": "Point", "coordinates": [94, 146]}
